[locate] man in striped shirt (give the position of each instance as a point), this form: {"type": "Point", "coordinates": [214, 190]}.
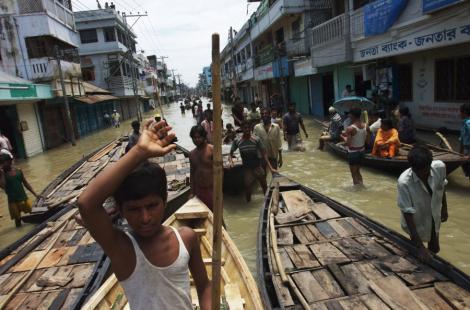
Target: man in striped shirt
{"type": "Point", "coordinates": [254, 158]}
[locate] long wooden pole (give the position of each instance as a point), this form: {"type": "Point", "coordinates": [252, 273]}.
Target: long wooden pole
{"type": "Point", "coordinates": [218, 173]}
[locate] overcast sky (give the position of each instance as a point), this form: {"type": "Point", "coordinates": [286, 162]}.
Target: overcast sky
{"type": "Point", "coordinates": [181, 29]}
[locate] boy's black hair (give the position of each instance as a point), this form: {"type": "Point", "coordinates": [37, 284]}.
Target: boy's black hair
{"type": "Point", "coordinates": [387, 122]}
{"type": "Point", "coordinates": [135, 124]}
{"type": "Point", "coordinates": [355, 112]}
{"type": "Point", "coordinates": [245, 123]}
{"type": "Point", "coordinates": [147, 179]}
{"type": "Point", "coordinates": [198, 129]}
{"type": "Point", "coordinates": [4, 158]}
{"type": "Point", "coordinates": [465, 108]}
{"type": "Point", "coordinates": [229, 125]}
{"type": "Point", "coordinates": [420, 157]}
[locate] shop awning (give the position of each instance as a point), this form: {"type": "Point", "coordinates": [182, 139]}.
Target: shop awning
{"type": "Point", "coordinates": [13, 88]}
{"type": "Point", "coordinates": [92, 99]}
{"type": "Point", "coordinates": [93, 89]}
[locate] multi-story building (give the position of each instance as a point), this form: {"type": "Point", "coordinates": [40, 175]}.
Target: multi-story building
{"type": "Point", "coordinates": [413, 53]}
{"type": "Point", "coordinates": [33, 35]}
{"type": "Point", "coordinates": [109, 59]}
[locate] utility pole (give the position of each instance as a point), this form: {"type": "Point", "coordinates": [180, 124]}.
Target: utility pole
{"type": "Point", "coordinates": [174, 81]}
{"type": "Point", "coordinates": [234, 64]}
{"type": "Point", "coordinates": [131, 58]}
{"type": "Point", "coordinates": [68, 115]}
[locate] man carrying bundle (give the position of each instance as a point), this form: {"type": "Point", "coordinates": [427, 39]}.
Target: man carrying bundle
{"type": "Point", "coordinates": [151, 261]}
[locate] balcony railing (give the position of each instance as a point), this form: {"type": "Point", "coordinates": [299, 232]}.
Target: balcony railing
{"type": "Point", "coordinates": [296, 47]}
{"type": "Point", "coordinates": [44, 69]}
{"type": "Point", "coordinates": [53, 7]}
{"type": "Point", "coordinates": [264, 56]}
{"type": "Point", "coordinates": [119, 82]}
{"type": "Point", "coordinates": [329, 31]}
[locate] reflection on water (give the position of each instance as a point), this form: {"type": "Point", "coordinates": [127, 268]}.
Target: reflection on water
{"type": "Point", "coordinates": [321, 171]}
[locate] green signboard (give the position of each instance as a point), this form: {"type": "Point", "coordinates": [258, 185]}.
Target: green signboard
{"type": "Point", "coordinates": [22, 90]}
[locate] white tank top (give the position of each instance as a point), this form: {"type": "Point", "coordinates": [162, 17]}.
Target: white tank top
{"type": "Point", "coordinates": [152, 287]}
{"type": "Point", "coordinates": [358, 140]}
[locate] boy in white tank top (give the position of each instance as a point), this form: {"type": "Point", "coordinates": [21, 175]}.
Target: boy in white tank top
{"type": "Point", "coordinates": [152, 262]}
{"type": "Point", "coordinates": [355, 137]}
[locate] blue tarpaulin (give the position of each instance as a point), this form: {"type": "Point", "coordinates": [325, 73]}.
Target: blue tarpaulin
{"type": "Point", "coordinates": [432, 5]}
{"type": "Point", "coordinates": [380, 15]}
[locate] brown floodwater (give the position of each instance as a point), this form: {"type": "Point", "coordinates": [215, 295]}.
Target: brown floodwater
{"type": "Point", "coordinates": [321, 171]}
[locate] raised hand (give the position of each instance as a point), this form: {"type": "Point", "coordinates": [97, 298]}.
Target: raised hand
{"type": "Point", "coordinates": [155, 139]}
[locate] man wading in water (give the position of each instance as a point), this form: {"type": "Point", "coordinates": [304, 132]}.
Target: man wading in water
{"type": "Point", "coordinates": [201, 166]}
{"type": "Point", "coordinates": [151, 261]}
{"type": "Point", "coordinates": [355, 137]}
{"type": "Point", "coordinates": [254, 158]}
{"type": "Point", "coordinates": [422, 200]}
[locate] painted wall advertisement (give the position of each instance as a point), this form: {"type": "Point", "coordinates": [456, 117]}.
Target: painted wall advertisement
{"type": "Point", "coordinates": [264, 72]}
{"type": "Point", "coordinates": [438, 35]}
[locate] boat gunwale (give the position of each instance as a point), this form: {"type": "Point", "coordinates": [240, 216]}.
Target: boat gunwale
{"type": "Point", "coordinates": [438, 263]}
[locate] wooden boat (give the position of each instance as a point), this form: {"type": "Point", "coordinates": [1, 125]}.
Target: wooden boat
{"type": "Point", "coordinates": [315, 253]}
{"type": "Point", "coordinates": [67, 187]}
{"type": "Point", "coordinates": [400, 163]}
{"type": "Point", "coordinates": [238, 286]}
{"type": "Point", "coordinates": [57, 265]}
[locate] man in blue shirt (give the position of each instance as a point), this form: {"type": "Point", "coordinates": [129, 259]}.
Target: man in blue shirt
{"type": "Point", "coordinates": [465, 137]}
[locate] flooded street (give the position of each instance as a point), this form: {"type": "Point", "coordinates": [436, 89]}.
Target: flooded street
{"type": "Point", "coordinates": [321, 171]}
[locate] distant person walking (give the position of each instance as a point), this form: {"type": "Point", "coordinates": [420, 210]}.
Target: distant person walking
{"type": "Point", "coordinates": [208, 125]}
{"type": "Point", "coordinates": [116, 117]}
{"type": "Point", "coordinates": [406, 128]}
{"type": "Point", "coordinates": [355, 137]}
{"type": "Point", "coordinates": [270, 135]}
{"type": "Point", "coordinates": [292, 122]}
{"type": "Point", "coordinates": [5, 145]}
{"type": "Point", "coordinates": [465, 137]}
{"type": "Point", "coordinates": [134, 137]}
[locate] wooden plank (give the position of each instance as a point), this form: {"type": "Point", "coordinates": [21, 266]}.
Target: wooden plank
{"type": "Point", "coordinates": [48, 300]}
{"type": "Point", "coordinates": [309, 286]}
{"type": "Point", "coordinates": [328, 283]}
{"type": "Point", "coordinates": [327, 254]}
{"type": "Point", "coordinates": [373, 248]}
{"type": "Point", "coordinates": [86, 253]}
{"type": "Point", "coordinates": [66, 257]}
{"type": "Point", "coordinates": [340, 230]}
{"type": "Point", "coordinates": [33, 300]}
{"type": "Point", "coordinates": [353, 303]}
{"type": "Point", "coordinates": [81, 273]}
{"type": "Point", "coordinates": [395, 294]}
{"type": "Point", "coordinates": [453, 294]}
{"type": "Point", "coordinates": [347, 283]}
{"type": "Point", "coordinates": [350, 247]}
{"type": "Point", "coordinates": [78, 235]}
{"type": "Point", "coordinates": [285, 236]}
{"type": "Point", "coordinates": [359, 280]}
{"type": "Point", "coordinates": [396, 264]}
{"type": "Point", "coordinates": [431, 298]}
{"type": "Point", "coordinates": [357, 225]}
{"type": "Point", "coordinates": [16, 301]}
{"type": "Point", "coordinates": [29, 261]}
{"type": "Point", "coordinates": [282, 292]}
{"type": "Point", "coordinates": [315, 232]}
{"type": "Point", "coordinates": [302, 257]}
{"type": "Point", "coordinates": [326, 230]}
{"type": "Point", "coordinates": [53, 257]}
{"type": "Point", "coordinates": [14, 279]}
{"type": "Point", "coordinates": [303, 234]}
{"type": "Point", "coordinates": [323, 211]}
{"type": "Point", "coordinates": [373, 302]}
{"type": "Point", "coordinates": [368, 270]}
{"type": "Point", "coordinates": [30, 285]}
{"type": "Point", "coordinates": [233, 297]}
{"type": "Point", "coordinates": [288, 217]}
{"type": "Point", "coordinates": [286, 262]}
{"type": "Point", "coordinates": [71, 298]}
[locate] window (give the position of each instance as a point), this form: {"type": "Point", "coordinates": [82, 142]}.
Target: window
{"type": "Point", "coordinates": [114, 69]}
{"type": "Point", "coordinates": [452, 81]}
{"type": "Point", "coordinates": [248, 51]}
{"type": "Point", "coordinates": [37, 47]}
{"type": "Point", "coordinates": [109, 34]}
{"type": "Point", "coordinates": [405, 82]}
{"type": "Point", "coordinates": [88, 36]}
{"type": "Point", "coordinates": [280, 36]}
{"type": "Point", "coordinates": [88, 74]}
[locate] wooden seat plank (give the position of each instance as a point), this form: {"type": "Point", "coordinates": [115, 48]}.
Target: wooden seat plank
{"type": "Point", "coordinates": [81, 274]}
{"type": "Point", "coordinates": [301, 256]}
{"type": "Point", "coordinates": [16, 301]}
{"type": "Point", "coordinates": [359, 280]}
{"type": "Point", "coordinates": [453, 294]}
{"type": "Point", "coordinates": [303, 234]}
{"type": "Point", "coordinates": [340, 230]}
{"type": "Point", "coordinates": [373, 248]}
{"type": "Point", "coordinates": [353, 303]}
{"type": "Point", "coordinates": [33, 300]}
{"type": "Point", "coordinates": [395, 293]}
{"type": "Point", "coordinates": [369, 270]}
{"type": "Point", "coordinates": [29, 261]}
{"type": "Point", "coordinates": [431, 298]}
{"type": "Point", "coordinates": [344, 279]}
{"type": "Point", "coordinates": [327, 254]}
{"type": "Point", "coordinates": [48, 300]}
{"type": "Point", "coordinates": [14, 279]}
{"type": "Point", "coordinates": [283, 293]}
{"type": "Point", "coordinates": [350, 247]}
{"type": "Point", "coordinates": [309, 286]}
{"type": "Point", "coordinates": [315, 232]}
{"type": "Point", "coordinates": [373, 302]}
{"type": "Point", "coordinates": [53, 257]}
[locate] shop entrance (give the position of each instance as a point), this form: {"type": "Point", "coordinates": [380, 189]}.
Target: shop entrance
{"type": "Point", "coordinates": [328, 92]}
{"type": "Point", "coordinates": [9, 128]}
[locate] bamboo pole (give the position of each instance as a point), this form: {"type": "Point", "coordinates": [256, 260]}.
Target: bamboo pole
{"type": "Point", "coordinates": [217, 170]}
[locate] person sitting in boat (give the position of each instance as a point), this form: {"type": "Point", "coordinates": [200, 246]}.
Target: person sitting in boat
{"type": "Point", "coordinates": [13, 182]}
{"type": "Point", "coordinates": [201, 177]}
{"type": "Point", "coordinates": [406, 128]}
{"type": "Point", "coordinates": [229, 134]}
{"type": "Point", "coordinates": [254, 159]}
{"type": "Point", "coordinates": [150, 261]}
{"type": "Point", "coordinates": [422, 200]}
{"type": "Point", "coordinates": [386, 142]}
{"type": "Point", "coordinates": [335, 128]}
